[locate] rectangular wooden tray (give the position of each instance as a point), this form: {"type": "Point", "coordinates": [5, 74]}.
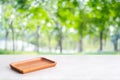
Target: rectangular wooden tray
{"type": "Point", "coordinates": [32, 65]}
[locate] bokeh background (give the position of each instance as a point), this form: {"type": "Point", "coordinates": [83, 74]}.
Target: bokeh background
{"type": "Point", "coordinates": [60, 27]}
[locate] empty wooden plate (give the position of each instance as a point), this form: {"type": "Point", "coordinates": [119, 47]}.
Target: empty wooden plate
{"type": "Point", "coordinates": [32, 65]}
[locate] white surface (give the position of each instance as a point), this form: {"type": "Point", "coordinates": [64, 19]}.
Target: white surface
{"type": "Point", "coordinates": [69, 67]}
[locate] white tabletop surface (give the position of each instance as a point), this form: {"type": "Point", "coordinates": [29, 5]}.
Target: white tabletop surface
{"type": "Point", "coordinates": [69, 67]}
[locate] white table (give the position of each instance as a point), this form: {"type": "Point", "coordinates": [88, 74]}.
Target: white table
{"type": "Point", "coordinates": [69, 67]}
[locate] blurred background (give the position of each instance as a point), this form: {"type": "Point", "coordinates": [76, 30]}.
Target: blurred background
{"type": "Point", "coordinates": [59, 27]}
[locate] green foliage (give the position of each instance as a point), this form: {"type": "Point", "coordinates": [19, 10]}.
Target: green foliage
{"type": "Point", "coordinates": [57, 17]}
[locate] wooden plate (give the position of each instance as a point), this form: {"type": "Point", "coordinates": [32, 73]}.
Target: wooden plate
{"type": "Point", "coordinates": [32, 65]}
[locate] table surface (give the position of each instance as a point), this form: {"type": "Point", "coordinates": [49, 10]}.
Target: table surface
{"type": "Point", "coordinates": [69, 67]}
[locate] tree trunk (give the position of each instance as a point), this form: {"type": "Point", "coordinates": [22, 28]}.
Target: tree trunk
{"type": "Point", "coordinates": [60, 37]}
{"type": "Point", "coordinates": [13, 37]}
{"type": "Point", "coordinates": [37, 38]}
{"type": "Point", "coordinates": [49, 43]}
{"type": "Point", "coordinates": [6, 39]}
{"type": "Point", "coordinates": [60, 44]}
{"type": "Point", "coordinates": [23, 35]}
{"type": "Point", "coordinates": [80, 44]}
{"type": "Point", "coordinates": [101, 41]}
{"type": "Point", "coordinates": [81, 38]}
{"type": "Point", "coordinates": [60, 41]}
{"type": "Point", "coordinates": [116, 46]}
